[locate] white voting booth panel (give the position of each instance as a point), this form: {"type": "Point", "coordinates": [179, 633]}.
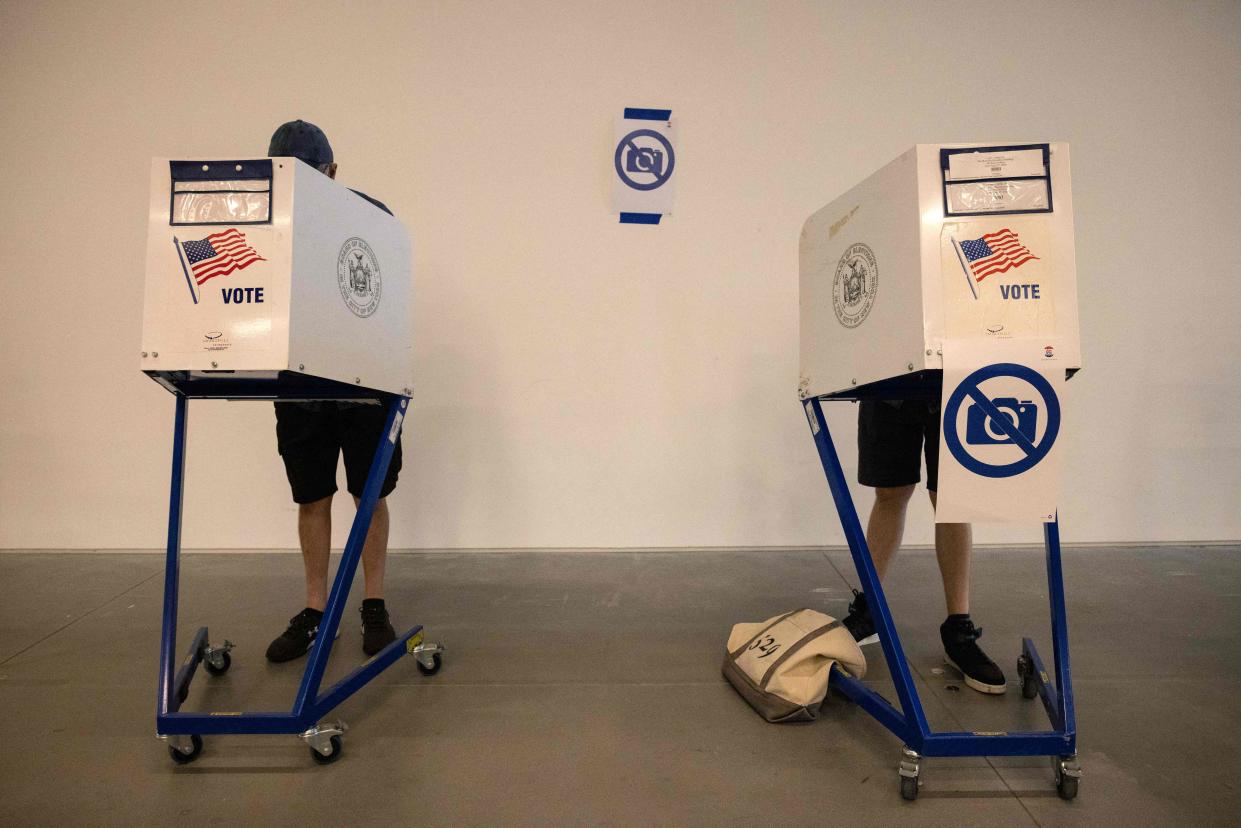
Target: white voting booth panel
{"type": "Point", "coordinates": [265, 266]}
{"type": "Point", "coordinates": [949, 241]}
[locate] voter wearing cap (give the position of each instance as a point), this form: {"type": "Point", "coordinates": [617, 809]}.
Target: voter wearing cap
{"type": "Point", "coordinates": [311, 438]}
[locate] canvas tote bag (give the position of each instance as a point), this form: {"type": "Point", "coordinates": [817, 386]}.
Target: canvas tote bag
{"type": "Point", "coordinates": [781, 665]}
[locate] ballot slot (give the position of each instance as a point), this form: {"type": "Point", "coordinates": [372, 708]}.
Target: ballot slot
{"type": "Point", "coordinates": [220, 192]}
{"type": "Point", "coordinates": [1001, 180]}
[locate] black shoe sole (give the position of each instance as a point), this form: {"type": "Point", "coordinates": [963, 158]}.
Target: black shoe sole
{"type": "Point", "coordinates": [286, 659]}
{"type": "Point", "coordinates": [975, 684]}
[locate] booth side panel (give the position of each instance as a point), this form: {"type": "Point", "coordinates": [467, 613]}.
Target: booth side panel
{"type": "Point", "coordinates": [1065, 251]}
{"type": "Point", "coordinates": [930, 223]}
{"type": "Point", "coordinates": [860, 291]}
{"type": "Point", "coordinates": [216, 294]}
{"type": "Point", "coordinates": [351, 288]}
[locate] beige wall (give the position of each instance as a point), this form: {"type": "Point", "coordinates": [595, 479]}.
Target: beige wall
{"type": "Point", "coordinates": [581, 383]}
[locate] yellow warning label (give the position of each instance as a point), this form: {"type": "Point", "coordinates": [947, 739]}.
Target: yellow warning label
{"type": "Point", "coordinates": [413, 642]}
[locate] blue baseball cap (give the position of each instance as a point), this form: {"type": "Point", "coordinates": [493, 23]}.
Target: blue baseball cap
{"type": "Point", "coordinates": [302, 140]}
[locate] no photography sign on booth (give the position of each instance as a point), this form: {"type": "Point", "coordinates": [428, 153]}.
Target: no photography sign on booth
{"type": "Point", "coordinates": [999, 458]}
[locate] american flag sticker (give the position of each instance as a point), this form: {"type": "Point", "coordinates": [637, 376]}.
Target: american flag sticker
{"type": "Point", "coordinates": [217, 255]}
{"type": "Point", "coordinates": [991, 253]}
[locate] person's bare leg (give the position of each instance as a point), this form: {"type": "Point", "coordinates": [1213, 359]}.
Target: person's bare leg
{"type": "Point", "coordinates": [886, 525]}
{"type": "Point", "coordinates": [314, 530]}
{"type": "Point", "coordinates": [953, 543]}
{"type": "Point", "coordinates": [375, 549]}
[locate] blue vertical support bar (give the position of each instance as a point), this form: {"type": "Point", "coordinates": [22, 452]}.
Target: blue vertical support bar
{"type": "Point", "coordinates": [168, 636]}
{"type": "Point", "coordinates": [915, 720]}
{"type": "Point", "coordinates": [1060, 633]}
{"type": "Point", "coordinates": [319, 653]}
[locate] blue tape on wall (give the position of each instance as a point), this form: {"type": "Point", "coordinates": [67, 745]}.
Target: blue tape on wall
{"type": "Point", "coordinates": [637, 114]}
{"type": "Point", "coordinates": [640, 218]}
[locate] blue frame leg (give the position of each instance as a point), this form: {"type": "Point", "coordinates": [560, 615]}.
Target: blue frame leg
{"type": "Point", "coordinates": [1066, 718]}
{"type": "Point", "coordinates": [181, 683]}
{"type": "Point", "coordinates": [309, 705]}
{"type": "Point", "coordinates": [339, 594]}
{"type": "Point", "coordinates": [168, 700]}
{"type": "Point", "coordinates": [909, 723]}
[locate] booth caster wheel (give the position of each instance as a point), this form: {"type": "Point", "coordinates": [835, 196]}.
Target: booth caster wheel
{"type": "Point", "coordinates": [216, 660]}
{"type": "Point", "coordinates": [224, 660]}
{"type": "Point", "coordinates": [334, 747]}
{"type": "Point", "coordinates": [324, 741]}
{"type": "Point", "coordinates": [1068, 772]}
{"type": "Point", "coordinates": [911, 771]}
{"type": "Point", "coordinates": [428, 657]}
{"type": "Point", "coordinates": [1025, 671]}
{"type": "Point", "coordinates": [185, 749]}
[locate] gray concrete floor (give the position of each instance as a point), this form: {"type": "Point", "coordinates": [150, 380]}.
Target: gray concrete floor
{"type": "Point", "coordinates": [584, 688]}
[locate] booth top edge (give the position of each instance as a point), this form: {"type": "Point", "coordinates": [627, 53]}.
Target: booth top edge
{"type": "Point", "coordinates": [222, 159]}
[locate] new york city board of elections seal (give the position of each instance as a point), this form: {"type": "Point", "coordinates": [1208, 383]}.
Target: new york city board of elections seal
{"type": "Point", "coordinates": [857, 281]}
{"type": "Point", "coordinates": [357, 273]}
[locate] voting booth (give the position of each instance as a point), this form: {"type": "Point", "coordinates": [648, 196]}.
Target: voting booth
{"type": "Point", "coordinates": [267, 270]}
{"type": "Point", "coordinates": [949, 275]}
{"type": "Point", "coordinates": [951, 241]}
{"type": "Point", "coordinates": [267, 280]}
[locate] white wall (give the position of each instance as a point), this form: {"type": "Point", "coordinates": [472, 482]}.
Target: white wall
{"type": "Point", "coordinates": [583, 383]}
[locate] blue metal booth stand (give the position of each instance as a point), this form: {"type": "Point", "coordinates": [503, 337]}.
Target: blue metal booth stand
{"type": "Point", "coordinates": [909, 722]}
{"type": "Point", "coordinates": [184, 731]}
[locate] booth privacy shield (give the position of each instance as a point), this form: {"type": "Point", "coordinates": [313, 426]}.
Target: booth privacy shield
{"type": "Point", "coordinates": [265, 267]}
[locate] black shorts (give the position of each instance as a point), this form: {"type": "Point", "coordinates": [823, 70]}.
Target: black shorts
{"type": "Point", "coordinates": [312, 436]}
{"type": "Point", "coordinates": [890, 440]}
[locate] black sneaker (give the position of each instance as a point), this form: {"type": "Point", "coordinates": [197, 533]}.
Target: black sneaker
{"type": "Point", "coordinates": [961, 651]}
{"type": "Point", "coordinates": [859, 623]}
{"type": "Point", "coordinates": [377, 631]}
{"type": "Point", "coordinates": [296, 640]}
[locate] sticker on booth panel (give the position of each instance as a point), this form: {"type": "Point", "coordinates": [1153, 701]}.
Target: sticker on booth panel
{"type": "Point", "coordinates": [855, 285]}
{"type": "Point", "coordinates": [1001, 419]}
{"type": "Point", "coordinates": [219, 254]}
{"type": "Point", "coordinates": [229, 305]}
{"type": "Point", "coordinates": [998, 279]}
{"type": "Point", "coordinates": [357, 274]}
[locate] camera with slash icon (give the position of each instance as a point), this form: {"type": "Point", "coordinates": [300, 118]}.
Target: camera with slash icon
{"type": "Point", "coordinates": [980, 430]}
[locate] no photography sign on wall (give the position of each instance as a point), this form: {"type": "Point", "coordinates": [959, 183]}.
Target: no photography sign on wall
{"type": "Point", "coordinates": [644, 162]}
